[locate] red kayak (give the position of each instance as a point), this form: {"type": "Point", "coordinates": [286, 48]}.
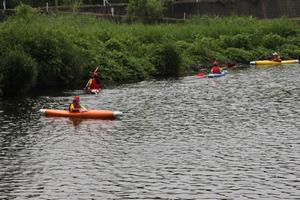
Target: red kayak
{"type": "Point", "coordinates": [94, 91]}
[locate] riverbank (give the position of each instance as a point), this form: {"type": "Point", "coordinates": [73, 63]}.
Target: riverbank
{"type": "Point", "coordinates": [42, 51]}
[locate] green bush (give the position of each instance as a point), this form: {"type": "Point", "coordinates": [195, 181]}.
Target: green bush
{"type": "Point", "coordinates": [290, 51]}
{"type": "Point", "coordinates": [203, 49]}
{"type": "Point", "coordinates": [238, 55]}
{"type": "Point", "coordinates": [283, 27]}
{"type": "Point", "coordinates": [166, 60]}
{"type": "Point", "coordinates": [25, 11]}
{"type": "Point", "coordinates": [18, 71]}
{"type": "Point", "coordinates": [146, 11]}
{"type": "Point", "coordinates": [243, 41]}
{"type": "Point", "coordinates": [67, 48]}
{"type": "Point", "coordinates": [272, 41]}
{"type": "Point", "coordinates": [187, 59]}
{"type": "Point", "coordinates": [59, 60]}
{"type": "Point", "coordinates": [260, 53]}
{"type": "Point", "coordinates": [113, 44]}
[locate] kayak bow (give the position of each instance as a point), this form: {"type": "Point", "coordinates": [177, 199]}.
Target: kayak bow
{"type": "Point", "coordinates": [223, 73]}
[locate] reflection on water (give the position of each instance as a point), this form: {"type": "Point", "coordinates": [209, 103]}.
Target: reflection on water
{"type": "Point", "coordinates": [235, 137]}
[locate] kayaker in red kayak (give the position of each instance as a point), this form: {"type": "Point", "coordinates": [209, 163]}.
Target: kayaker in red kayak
{"type": "Point", "coordinates": [93, 86]}
{"type": "Point", "coordinates": [276, 57]}
{"type": "Point", "coordinates": [75, 105]}
{"type": "Point", "coordinates": [216, 69]}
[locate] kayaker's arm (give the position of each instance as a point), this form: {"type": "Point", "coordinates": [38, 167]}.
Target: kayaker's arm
{"type": "Point", "coordinates": [83, 109]}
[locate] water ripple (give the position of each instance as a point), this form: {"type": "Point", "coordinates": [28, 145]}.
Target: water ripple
{"type": "Point", "coordinates": [236, 137]}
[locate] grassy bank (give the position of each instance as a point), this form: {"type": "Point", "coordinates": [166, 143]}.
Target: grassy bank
{"type": "Point", "coordinates": [38, 51]}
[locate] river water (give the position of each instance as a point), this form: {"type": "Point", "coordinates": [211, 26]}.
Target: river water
{"type": "Point", "coordinates": [234, 137]}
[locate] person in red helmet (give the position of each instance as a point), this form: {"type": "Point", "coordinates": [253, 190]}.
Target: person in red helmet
{"type": "Point", "coordinates": [216, 69]}
{"type": "Point", "coordinates": [93, 86]}
{"type": "Point", "coordinates": [75, 105]}
{"type": "Point", "coordinates": [276, 57]}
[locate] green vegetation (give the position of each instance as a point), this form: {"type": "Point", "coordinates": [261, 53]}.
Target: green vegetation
{"type": "Point", "coordinates": [146, 11]}
{"type": "Point", "coordinates": [39, 3]}
{"type": "Point", "coordinates": [40, 51]}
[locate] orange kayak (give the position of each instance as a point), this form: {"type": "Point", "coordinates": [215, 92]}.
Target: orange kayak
{"type": "Point", "coordinates": [90, 114]}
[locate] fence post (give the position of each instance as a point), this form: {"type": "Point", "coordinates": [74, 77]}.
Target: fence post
{"type": "Point", "coordinates": [47, 7]}
{"type": "Point", "coordinates": [56, 4]}
{"type": "Point", "coordinates": [112, 11]}
{"type": "Point", "coordinates": [4, 5]}
{"type": "Point", "coordinates": [105, 2]}
{"type": "Point", "coordinates": [184, 16]}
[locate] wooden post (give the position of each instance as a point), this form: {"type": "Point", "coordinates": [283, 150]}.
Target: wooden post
{"type": "Point", "coordinates": [4, 5]}
{"type": "Point", "coordinates": [56, 4]}
{"type": "Point", "coordinates": [47, 7]}
{"type": "Point", "coordinates": [184, 16]}
{"type": "Point", "coordinates": [112, 11]}
{"type": "Point", "coordinates": [105, 2]}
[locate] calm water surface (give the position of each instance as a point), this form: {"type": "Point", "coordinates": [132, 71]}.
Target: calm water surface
{"type": "Point", "coordinates": [235, 137]}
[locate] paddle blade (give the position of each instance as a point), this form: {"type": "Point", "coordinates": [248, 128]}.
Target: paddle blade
{"type": "Point", "coordinates": [95, 71]}
{"type": "Point", "coordinates": [200, 75]}
{"type": "Point", "coordinates": [229, 65]}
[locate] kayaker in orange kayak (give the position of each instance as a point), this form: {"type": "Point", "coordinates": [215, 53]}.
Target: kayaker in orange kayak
{"type": "Point", "coordinates": [276, 57]}
{"type": "Point", "coordinates": [216, 69]}
{"type": "Point", "coordinates": [93, 86]}
{"type": "Point", "coordinates": [75, 105]}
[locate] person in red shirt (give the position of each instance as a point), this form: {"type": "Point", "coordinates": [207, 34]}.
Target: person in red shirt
{"type": "Point", "coordinates": [75, 105]}
{"type": "Point", "coordinates": [276, 57]}
{"type": "Point", "coordinates": [216, 69]}
{"type": "Point", "coordinates": [93, 86]}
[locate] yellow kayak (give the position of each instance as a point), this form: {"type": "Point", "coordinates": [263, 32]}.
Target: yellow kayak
{"type": "Point", "coordinates": [271, 62]}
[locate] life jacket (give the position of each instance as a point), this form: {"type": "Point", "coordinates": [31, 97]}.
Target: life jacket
{"type": "Point", "coordinates": [276, 58]}
{"type": "Point", "coordinates": [94, 84]}
{"type": "Point", "coordinates": [74, 107]}
{"type": "Point", "coordinates": [216, 70]}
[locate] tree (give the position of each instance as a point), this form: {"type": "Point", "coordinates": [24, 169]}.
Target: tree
{"type": "Point", "coordinates": [146, 11]}
{"type": "Point", "coordinates": [75, 4]}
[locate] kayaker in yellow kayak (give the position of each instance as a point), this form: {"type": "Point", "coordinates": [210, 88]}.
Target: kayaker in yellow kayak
{"type": "Point", "coordinates": [75, 105]}
{"type": "Point", "coordinates": [276, 57]}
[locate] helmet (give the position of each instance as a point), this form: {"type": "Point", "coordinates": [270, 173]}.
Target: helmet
{"type": "Point", "coordinates": [275, 54]}
{"type": "Point", "coordinates": [215, 63]}
{"type": "Point", "coordinates": [76, 98]}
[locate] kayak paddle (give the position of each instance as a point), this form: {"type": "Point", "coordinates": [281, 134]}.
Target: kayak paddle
{"type": "Point", "coordinates": [200, 75]}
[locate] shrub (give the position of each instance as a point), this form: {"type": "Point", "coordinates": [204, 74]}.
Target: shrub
{"type": "Point", "coordinates": [146, 11]}
{"type": "Point", "coordinates": [18, 71]}
{"type": "Point", "coordinates": [239, 55]}
{"type": "Point", "coordinates": [289, 51]}
{"type": "Point", "coordinates": [243, 41]}
{"type": "Point", "coordinates": [59, 60]}
{"type": "Point", "coordinates": [260, 53]}
{"type": "Point", "coordinates": [204, 49]}
{"type": "Point", "coordinates": [187, 59]}
{"type": "Point", "coordinates": [166, 60]}
{"type": "Point", "coordinates": [283, 27]}
{"type": "Point", "coordinates": [272, 41]}
{"type": "Point", "coordinates": [25, 11]}
{"type": "Point", "coordinates": [113, 44]}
